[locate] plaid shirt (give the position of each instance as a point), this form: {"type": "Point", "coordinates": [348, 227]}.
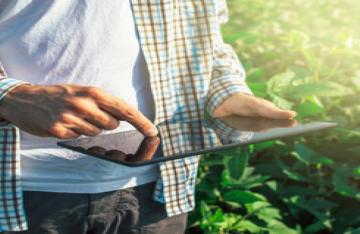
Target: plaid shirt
{"type": "Point", "coordinates": [191, 71]}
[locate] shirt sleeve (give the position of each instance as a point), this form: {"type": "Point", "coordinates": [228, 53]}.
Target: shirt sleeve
{"type": "Point", "coordinates": [6, 85]}
{"type": "Point", "coordinates": [12, 216]}
{"type": "Point", "coordinates": [228, 75]}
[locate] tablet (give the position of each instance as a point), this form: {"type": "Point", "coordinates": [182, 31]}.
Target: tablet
{"type": "Point", "coordinates": [179, 138]}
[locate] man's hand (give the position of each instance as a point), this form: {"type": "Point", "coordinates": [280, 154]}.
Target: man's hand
{"type": "Point", "coordinates": [68, 111]}
{"type": "Point", "coordinates": [247, 105]}
{"type": "Point", "coordinates": [256, 124]}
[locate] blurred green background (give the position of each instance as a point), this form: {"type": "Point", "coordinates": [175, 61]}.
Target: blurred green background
{"type": "Point", "coordinates": [303, 55]}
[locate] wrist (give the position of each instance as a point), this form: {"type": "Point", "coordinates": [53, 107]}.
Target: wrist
{"type": "Point", "coordinates": [10, 98]}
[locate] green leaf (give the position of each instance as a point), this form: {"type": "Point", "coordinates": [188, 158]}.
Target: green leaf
{"type": "Point", "coordinates": [357, 171]}
{"type": "Point", "coordinates": [256, 206]}
{"type": "Point", "coordinates": [321, 89]}
{"type": "Point", "coordinates": [246, 37]}
{"type": "Point", "coordinates": [292, 174]}
{"type": "Point", "coordinates": [247, 225]}
{"type": "Point", "coordinates": [253, 181]}
{"type": "Point", "coordinates": [281, 102]}
{"type": "Point", "coordinates": [303, 203]}
{"type": "Point", "coordinates": [295, 175]}
{"type": "Point", "coordinates": [204, 210]}
{"type": "Point", "coordinates": [269, 169]}
{"type": "Point", "coordinates": [301, 72]}
{"type": "Point", "coordinates": [280, 83]}
{"type": "Point", "coordinates": [217, 217]}
{"type": "Point", "coordinates": [246, 182]}
{"type": "Point", "coordinates": [309, 108]}
{"type": "Point", "coordinates": [259, 89]}
{"type": "Point", "coordinates": [207, 187]}
{"type": "Point", "coordinates": [341, 180]}
{"type": "Point", "coordinates": [317, 227]}
{"type": "Point", "coordinates": [277, 227]}
{"type": "Point", "coordinates": [273, 185]}
{"type": "Point", "coordinates": [242, 197]}
{"type": "Point", "coordinates": [255, 75]}
{"type": "Point", "coordinates": [309, 156]}
{"type": "Point", "coordinates": [321, 204]}
{"type": "Point", "coordinates": [236, 164]}
{"type": "Point", "coordinates": [353, 231]}
{"type": "Point", "coordinates": [264, 145]}
{"type": "Point", "coordinates": [268, 214]}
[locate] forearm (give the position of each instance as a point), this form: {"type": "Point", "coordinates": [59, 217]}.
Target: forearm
{"type": "Point", "coordinates": [228, 75]}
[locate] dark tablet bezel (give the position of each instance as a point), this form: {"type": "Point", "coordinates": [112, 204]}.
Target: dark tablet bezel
{"type": "Point", "coordinates": [300, 130]}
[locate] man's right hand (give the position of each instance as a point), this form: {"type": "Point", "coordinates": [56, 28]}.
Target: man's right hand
{"type": "Point", "coordinates": [68, 111]}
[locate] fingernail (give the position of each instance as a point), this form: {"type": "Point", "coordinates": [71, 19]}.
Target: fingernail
{"type": "Point", "coordinates": [292, 114]}
{"type": "Point", "coordinates": [152, 132]}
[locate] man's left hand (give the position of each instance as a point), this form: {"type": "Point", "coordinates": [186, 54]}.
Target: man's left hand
{"type": "Point", "coordinates": [247, 105]}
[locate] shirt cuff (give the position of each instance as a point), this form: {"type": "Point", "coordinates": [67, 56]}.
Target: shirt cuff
{"type": "Point", "coordinates": [223, 91]}
{"type": "Point", "coordinates": [8, 84]}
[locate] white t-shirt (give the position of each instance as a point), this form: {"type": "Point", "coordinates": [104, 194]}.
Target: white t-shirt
{"type": "Point", "coordinates": [77, 42]}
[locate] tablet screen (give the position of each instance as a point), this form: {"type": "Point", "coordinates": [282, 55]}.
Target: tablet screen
{"type": "Point", "coordinates": [185, 138]}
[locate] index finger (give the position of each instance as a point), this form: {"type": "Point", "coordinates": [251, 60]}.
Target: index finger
{"type": "Point", "coordinates": [123, 111]}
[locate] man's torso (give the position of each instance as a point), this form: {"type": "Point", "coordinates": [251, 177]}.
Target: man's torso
{"type": "Point", "coordinates": [88, 43]}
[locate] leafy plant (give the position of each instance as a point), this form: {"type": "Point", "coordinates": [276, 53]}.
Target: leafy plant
{"type": "Point", "coordinates": [302, 55]}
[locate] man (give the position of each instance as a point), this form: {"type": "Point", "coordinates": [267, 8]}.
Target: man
{"type": "Point", "coordinates": [78, 68]}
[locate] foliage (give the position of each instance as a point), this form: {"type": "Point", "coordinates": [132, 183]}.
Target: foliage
{"type": "Point", "coordinates": [302, 55]}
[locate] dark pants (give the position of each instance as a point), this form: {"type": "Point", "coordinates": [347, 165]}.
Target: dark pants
{"type": "Point", "coordinates": [125, 211]}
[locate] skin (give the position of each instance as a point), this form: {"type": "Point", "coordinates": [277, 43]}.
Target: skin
{"type": "Point", "coordinates": [68, 111]}
{"type": "Point", "coordinates": [251, 106]}
{"type": "Point", "coordinates": [256, 124]}
{"type": "Point", "coordinates": [145, 152]}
